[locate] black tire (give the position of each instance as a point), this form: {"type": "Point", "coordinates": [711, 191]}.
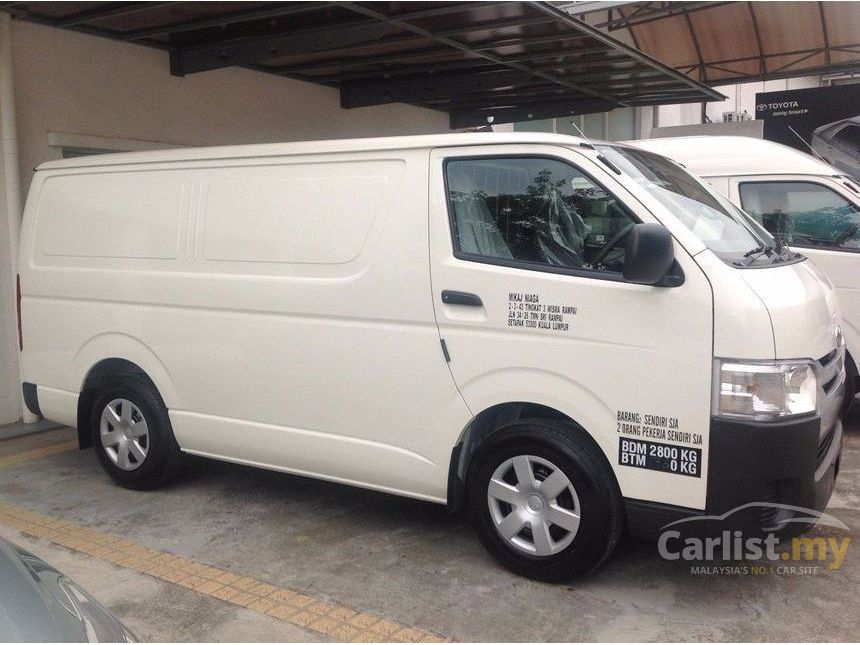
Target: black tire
{"type": "Point", "coordinates": [163, 458]}
{"type": "Point", "coordinates": [571, 451]}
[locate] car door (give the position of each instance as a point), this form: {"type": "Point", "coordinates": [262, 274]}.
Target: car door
{"type": "Point", "coordinates": [522, 322]}
{"type": "Point", "coordinates": [820, 217]}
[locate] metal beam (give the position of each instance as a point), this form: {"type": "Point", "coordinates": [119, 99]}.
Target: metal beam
{"type": "Point", "coordinates": [824, 34]}
{"type": "Point", "coordinates": [19, 10]}
{"type": "Point", "coordinates": [222, 20]}
{"type": "Point", "coordinates": [110, 10]}
{"type": "Point", "coordinates": [674, 9]}
{"type": "Point", "coordinates": [345, 64]}
{"type": "Point", "coordinates": [426, 88]}
{"type": "Point", "coordinates": [604, 66]}
{"type": "Point", "coordinates": [633, 53]}
{"type": "Point", "coordinates": [372, 13]}
{"type": "Point", "coordinates": [762, 68]}
{"type": "Point", "coordinates": [565, 60]}
{"type": "Point", "coordinates": [510, 114]}
{"type": "Point", "coordinates": [416, 91]}
{"type": "Point", "coordinates": [200, 59]}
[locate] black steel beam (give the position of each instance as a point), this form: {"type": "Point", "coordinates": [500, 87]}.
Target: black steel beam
{"type": "Point", "coordinates": [200, 59]}
{"type": "Point", "coordinates": [222, 20]}
{"type": "Point", "coordinates": [673, 9]}
{"type": "Point", "coordinates": [372, 13]}
{"type": "Point", "coordinates": [528, 112]}
{"type": "Point", "coordinates": [581, 26]}
{"type": "Point", "coordinates": [109, 10]}
{"type": "Point", "coordinates": [416, 91]}
{"type": "Point", "coordinates": [565, 60]}
{"type": "Point", "coordinates": [346, 64]}
{"type": "Point", "coordinates": [429, 88]}
{"type": "Point", "coordinates": [20, 10]}
{"type": "Point", "coordinates": [761, 66]}
{"type": "Point", "coordinates": [824, 34]}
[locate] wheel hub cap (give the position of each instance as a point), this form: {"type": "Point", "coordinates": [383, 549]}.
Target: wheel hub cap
{"type": "Point", "coordinates": [533, 505]}
{"type": "Point", "coordinates": [124, 434]}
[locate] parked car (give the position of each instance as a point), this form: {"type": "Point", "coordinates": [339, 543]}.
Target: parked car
{"type": "Point", "coordinates": [573, 337]}
{"type": "Point", "coordinates": [40, 604]}
{"type": "Point", "coordinates": [805, 203]}
{"type": "Point", "coordinates": [839, 144]}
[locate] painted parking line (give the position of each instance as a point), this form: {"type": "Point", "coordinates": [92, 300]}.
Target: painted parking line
{"type": "Point", "coordinates": [333, 620]}
{"type": "Point", "coordinates": [38, 453]}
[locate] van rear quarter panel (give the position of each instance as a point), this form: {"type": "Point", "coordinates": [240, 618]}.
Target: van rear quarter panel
{"type": "Point", "coordinates": [281, 306]}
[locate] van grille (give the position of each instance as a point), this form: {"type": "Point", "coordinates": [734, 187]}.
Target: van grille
{"type": "Point", "coordinates": [832, 372]}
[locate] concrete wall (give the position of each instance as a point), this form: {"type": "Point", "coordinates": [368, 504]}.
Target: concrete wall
{"type": "Point", "coordinates": [752, 129]}
{"type": "Point", "coordinates": [72, 84]}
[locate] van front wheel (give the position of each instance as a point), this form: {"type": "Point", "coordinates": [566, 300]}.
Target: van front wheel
{"type": "Point", "coordinates": [544, 501]}
{"type": "Point", "coordinates": [132, 435]}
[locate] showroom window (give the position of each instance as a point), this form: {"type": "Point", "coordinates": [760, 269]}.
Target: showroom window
{"type": "Point", "coordinates": [803, 213]}
{"type": "Point", "coordinates": [535, 211]}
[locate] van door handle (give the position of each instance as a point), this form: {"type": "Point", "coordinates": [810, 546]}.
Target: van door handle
{"type": "Point", "coordinates": [461, 298]}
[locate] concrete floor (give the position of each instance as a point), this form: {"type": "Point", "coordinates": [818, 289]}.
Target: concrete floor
{"type": "Point", "coordinates": [405, 560]}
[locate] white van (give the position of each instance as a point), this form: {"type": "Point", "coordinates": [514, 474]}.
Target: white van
{"type": "Point", "coordinates": [802, 201]}
{"type": "Point", "coordinates": [839, 144]}
{"type": "Point", "coordinates": [527, 322]}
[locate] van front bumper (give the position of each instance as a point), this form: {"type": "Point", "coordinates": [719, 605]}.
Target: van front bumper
{"type": "Point", "coordinates": [788, 463]}
{"type": "Point", "coordinates": [754, 469]}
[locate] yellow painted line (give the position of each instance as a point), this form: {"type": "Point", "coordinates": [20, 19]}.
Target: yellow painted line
{"type": "Point", "coordinates": [38, 453]}
{"type": "Point", "coordinates": [333, 620]}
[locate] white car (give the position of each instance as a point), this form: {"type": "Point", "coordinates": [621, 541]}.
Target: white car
{"type": "Point", "coordinates": [839, 144]}
{"type": "Point", "coordinates": [804, 202]}
{"type": "Point", "coordinates": [573, 337]}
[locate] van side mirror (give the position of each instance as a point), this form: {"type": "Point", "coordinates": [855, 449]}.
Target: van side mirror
{"type": "Point", "coordinates": [649, 254]}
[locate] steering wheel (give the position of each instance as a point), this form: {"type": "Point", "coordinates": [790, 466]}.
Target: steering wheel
{"type": "Point", "coordinates": [615, 239]}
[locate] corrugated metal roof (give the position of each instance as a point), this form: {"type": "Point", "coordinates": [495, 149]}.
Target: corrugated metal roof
{"type": "Point", "coordinates": [724, 42]}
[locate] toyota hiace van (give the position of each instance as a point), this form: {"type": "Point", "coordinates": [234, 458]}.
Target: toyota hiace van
{"type": "Point", "coordinates": [568, 338]}
{"type": "Point", "coordinates": [804, 202]}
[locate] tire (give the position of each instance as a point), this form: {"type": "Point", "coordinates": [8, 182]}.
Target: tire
{"type": "Point", "coordinates": [569, 548]}
{"type": "Point", "coordinates": [156, 457]}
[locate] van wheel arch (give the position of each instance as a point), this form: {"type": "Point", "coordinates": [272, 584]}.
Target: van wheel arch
{"type": "Point", "coordinates": [487, 423]}
{"type": "Point", "coordinates": [97, 377]}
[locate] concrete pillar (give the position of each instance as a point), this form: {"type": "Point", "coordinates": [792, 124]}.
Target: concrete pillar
{"type": "Point", "coordinates": [11, 404]}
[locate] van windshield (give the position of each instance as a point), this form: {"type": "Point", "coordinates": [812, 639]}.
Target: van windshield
{"type": "Point", "coordinates": [728, 232]}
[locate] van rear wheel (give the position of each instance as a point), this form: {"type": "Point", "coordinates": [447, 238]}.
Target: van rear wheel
{"type": "Point", "coordinates": [544, 500]}
{"type": "Point", "coordinates": [132, 435]}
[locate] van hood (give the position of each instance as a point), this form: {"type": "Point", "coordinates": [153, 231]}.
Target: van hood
{"type": "Point", "coordinates": [802, 306]}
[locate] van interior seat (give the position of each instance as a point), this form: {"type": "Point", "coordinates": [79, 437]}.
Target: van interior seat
{"type": "Point", "coordinates": [562, 232]}
{"type": "Point", "coordinates": [474, 225]}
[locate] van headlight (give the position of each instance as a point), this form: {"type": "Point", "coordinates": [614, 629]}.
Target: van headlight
{"type": "Point", "coordinates": [765, 391]}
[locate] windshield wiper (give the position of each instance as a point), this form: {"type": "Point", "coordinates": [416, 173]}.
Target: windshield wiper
{"type": "Point", "coordinates": [754, 254]}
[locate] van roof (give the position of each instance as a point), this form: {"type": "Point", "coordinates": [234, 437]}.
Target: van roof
{"type": "Point", "coordinates": [313, 147]}
{"type": "Point", "coordinates": [713, 156]}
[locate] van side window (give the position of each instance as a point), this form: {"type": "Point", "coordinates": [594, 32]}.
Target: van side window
{"type": "Point", "coordinates": [536, 211]}
{"type": "Point", "coordinates": [803, 213]}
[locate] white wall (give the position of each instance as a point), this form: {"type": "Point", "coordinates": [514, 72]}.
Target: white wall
{"type": "Point", "coordinates": [74, 84]}
{"type": "Point", "coordinates": [739, 97]}
{"type": "Point", "coordinates": [742, 97]}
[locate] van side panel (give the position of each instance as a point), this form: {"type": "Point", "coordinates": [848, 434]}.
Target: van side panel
{"type": "Point", "coordinates": [286, 319]}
